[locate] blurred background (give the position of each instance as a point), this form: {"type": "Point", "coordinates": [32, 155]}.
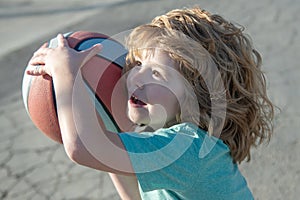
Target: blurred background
{"type": "Point", "coordinates": [34, 167]}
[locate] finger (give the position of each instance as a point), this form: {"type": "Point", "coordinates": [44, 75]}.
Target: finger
{"type": "Point", "coordinates": [92, 51]}
{"type": "Point", "coordinates": [37, 60]}
{"type": "Point", "coordinates": [45, 45]}
{"type": "Point", "coordinates": [61, 41]}
{"type": "Point", "coordinates": [37, 70]}
{"type": "Point", "coordinates": [43, 50]}
{"type": "Point", "coordinates": [39, 56]}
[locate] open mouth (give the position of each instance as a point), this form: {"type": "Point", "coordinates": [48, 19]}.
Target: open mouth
{"type": "Point", "coordinates": [134, 100]}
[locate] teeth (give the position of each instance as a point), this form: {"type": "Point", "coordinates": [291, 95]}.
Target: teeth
{"type": "Point", "coordinates": [136, 100]}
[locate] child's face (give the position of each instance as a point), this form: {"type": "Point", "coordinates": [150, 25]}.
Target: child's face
{"type": "Point", "coordinates": [155, 89]}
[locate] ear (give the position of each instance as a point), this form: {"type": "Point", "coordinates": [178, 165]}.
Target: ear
{"type": "Point", "coordinates": [189, 108]}
{"type": "Point", "coordinates": [178, 118]}
{"type": "Point", "coordinates": [184, 109]}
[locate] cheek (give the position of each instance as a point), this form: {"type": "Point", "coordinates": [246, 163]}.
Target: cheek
{"type": "Point", "coordinates": [128, 82]}
{"type": "Point", "coordinates": [166, 98]}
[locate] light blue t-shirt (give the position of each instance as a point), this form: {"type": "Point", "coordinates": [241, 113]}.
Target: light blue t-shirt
{"type": "Point", "coordinates": [183, 162]}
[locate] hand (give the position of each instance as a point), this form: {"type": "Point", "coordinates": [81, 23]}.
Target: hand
{"type": "Point", "coordinates": [60, 60]}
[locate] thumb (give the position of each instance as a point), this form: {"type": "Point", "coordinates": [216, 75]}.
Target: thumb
{"type": "Point", "coordinates": [90, 52]}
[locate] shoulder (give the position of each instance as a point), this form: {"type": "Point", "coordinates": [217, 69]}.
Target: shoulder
{"type": "Point", "coordinates": [167, 145]}
{"type": "Point", "coordinates": [180, 134]}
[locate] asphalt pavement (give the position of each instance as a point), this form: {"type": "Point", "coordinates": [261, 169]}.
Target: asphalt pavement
{"type": "Point", "coordinates": [34, 167]}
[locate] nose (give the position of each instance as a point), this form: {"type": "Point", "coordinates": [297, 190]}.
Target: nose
{"type": "Point", "coordinates": [137, 79]}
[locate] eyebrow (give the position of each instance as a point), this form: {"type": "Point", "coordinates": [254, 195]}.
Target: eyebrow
{"type": "Point", "coordinates": [172, 75]}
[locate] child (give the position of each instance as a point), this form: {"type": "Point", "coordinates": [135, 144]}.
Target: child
{"type": "Point", "coordinates": [197, 96]}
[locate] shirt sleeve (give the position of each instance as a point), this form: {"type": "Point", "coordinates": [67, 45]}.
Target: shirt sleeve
{"type": "Point", "coordinates": [162, 159]}
{"type": "Point", "coordinates": [181, 158]}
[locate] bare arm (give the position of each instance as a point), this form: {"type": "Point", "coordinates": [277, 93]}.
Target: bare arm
{"type": "Point", "coordinates": [126, 186]}
{"type": "Point", "coordinates": [84, 140]}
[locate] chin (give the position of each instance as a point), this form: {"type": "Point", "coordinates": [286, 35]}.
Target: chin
{"type": "Point", "coordinates": [138, 121]}
{"type": "Point", "coordinates": [137, 118]}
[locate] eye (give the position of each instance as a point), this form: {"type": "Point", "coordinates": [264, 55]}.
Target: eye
{"type": "Point", "coordinates": [138, 63]}
{"type": "Point", "coordinates": [156, 73]}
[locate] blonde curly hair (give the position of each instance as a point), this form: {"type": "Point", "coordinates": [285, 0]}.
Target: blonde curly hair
{"type": "Point", "coordinates": [199, 41]}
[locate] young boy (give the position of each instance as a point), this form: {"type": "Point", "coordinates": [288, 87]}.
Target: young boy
{"type": "Point", "coordinates": [196, 95]}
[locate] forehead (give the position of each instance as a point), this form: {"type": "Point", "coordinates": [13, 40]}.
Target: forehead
{"type": "Point", "coordinates": [156, 56]}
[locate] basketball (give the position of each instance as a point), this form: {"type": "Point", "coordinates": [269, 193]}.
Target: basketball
{"type": "Point", "coordinates": [100, 74]}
